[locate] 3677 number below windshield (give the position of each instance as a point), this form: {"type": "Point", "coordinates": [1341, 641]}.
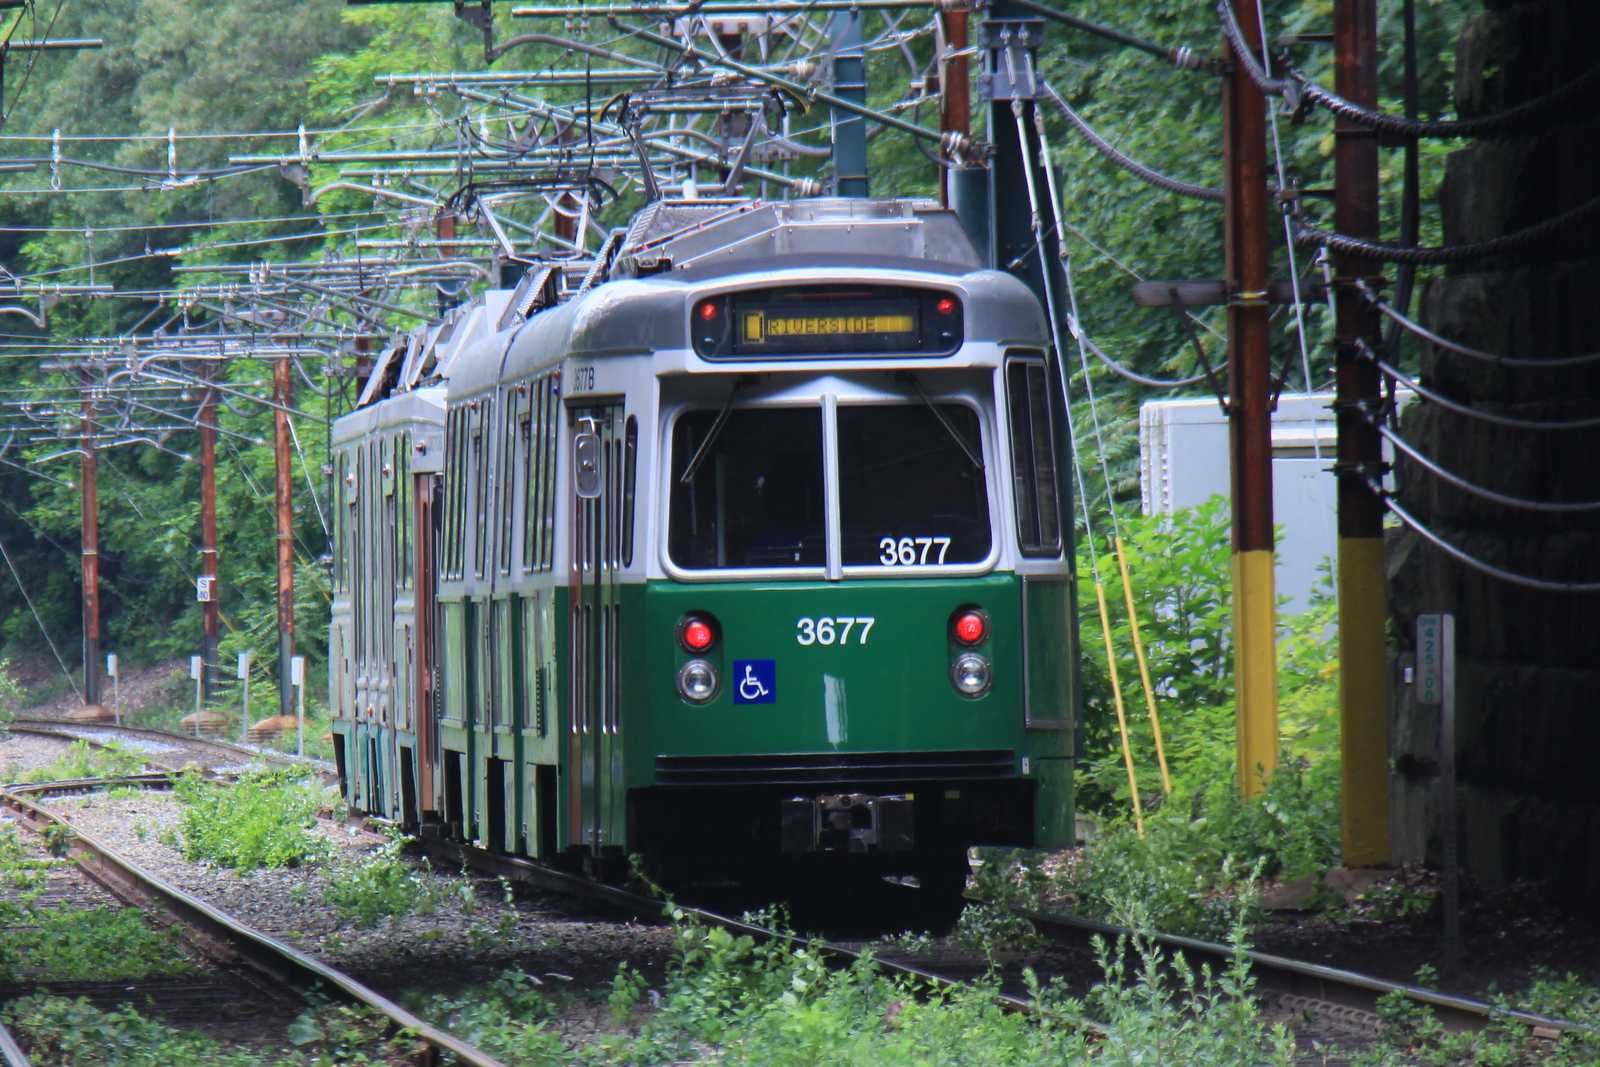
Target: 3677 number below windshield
{"type": "Point", "coordinates": [910, 492]}
{"type": "Point", "coordinates": [750, 494]}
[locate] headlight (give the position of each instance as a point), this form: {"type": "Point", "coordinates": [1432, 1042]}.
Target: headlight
{"type": "Point", "coordinates": [697, 681]}
{"type": "Point", "coordinates": [971, 674]}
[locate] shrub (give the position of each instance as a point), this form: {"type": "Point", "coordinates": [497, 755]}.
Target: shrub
{"type": "Point", "coordinates": [380, 885]}
{"type": "Point", "coordinates": [265, 819]}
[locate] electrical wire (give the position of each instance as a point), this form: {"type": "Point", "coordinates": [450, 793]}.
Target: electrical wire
{"type": "Point", "coordinates": [1438, 470]}
{"type": "Point", "coordinates": [1298, 86]}
{"type": "Point", "coordinates": [1148, 175]}
{"type": "Point", "coordinates": [1457, 347]}
{"type": "Point", "coordinates": [46, 633]}
{"type": "Point", "coordinates": [1288, 243]}
{"type": "Point", "coordinates": [1465, 558]}
{"type": "Point", "coordinates": [1076, 329]}
{"type": "Point", "coordinates": [1512, 122]}
{"type": "Point", "coordinates": [1516, 241]}
{"type": "Point", "coordinates": [1509, 421]}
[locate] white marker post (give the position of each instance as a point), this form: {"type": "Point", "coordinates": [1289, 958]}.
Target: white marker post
{"type": "Point", "coordinates": [297, 678]}
{"type": "Point", "coordinates": [244, 677]}
{"type": "Point", "coordinates": [116, 687]}
{"type": "Point", "coordinates": [197, 671]}
{"type": "Point", "coordinates": [1436, 685]}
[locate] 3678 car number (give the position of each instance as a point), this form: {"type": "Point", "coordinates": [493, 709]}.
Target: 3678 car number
{"type": "Point", "coordinates": [832, 629]}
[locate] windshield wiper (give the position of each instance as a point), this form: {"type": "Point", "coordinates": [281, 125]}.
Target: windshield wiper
{"type": "Point", "coordinates": [966, 447]}
{"type": "Point", "coordinates": [704, 450]}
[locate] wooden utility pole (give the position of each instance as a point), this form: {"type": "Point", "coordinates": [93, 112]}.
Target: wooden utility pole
{"type": "Point", "coordinates": [282, 394]}
{"type": "Point", "coordinates": [1363, 698]}
{"type": "Point", "coordinates": [955, 90]}
{"type": "Point", "coordinates": [90, 507]}
{"type": "Point", "coordinates": [208, 542]}
{"type": "Point", "coordinates": [1250, 416]}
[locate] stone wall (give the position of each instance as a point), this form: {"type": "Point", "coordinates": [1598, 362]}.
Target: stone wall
{"type": "Point", "coordinates": [1528, 661]}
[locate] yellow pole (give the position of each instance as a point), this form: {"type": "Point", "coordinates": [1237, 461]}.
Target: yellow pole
{"type": "Point", "coordinates": [1363, 702]}
{"type": "Point", "coordinates": [1144, 668]}
{"type": "Point", "coordinates": [1256, 668]}
{"type": "Point", "coordinates": [1122, 719]}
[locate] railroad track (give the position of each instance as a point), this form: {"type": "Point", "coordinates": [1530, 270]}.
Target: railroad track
{"type": "Point", "coordinates": [1343, 994]}
{"type": "Point", "coordinates": [217, 935]}
{"type": "Point", "coordinates": [170, 751]}
{"type": "Point", "coordinates": [1304, 987]}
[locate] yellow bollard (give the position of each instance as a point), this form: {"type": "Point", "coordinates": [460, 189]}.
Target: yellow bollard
{"type": "Point", "coordinates": [1122, 720]}
{"type": "Point", "coordinates": [1144, 668]}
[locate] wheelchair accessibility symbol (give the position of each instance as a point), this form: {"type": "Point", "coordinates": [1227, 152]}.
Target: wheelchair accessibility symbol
{"type": "Point", "coordinates": [756, 681]}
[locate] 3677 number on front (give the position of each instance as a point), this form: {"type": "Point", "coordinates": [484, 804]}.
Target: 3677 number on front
{"type": "Point", "coordinates": [832, 629]}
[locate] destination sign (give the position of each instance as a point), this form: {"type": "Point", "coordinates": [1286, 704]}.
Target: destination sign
{"type": "Point", "coordinates": [836, 321]}
{"type": "Point", "coordinates": [759, 326]}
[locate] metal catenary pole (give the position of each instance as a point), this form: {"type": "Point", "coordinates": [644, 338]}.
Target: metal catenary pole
{"type": "Point", "coordinates": [284, 510]}
{"type": "Point", "coordinates": [850, 83]}
{"type": "Point", "coordinates": [90, 510]}
{"type": "Point", "coordinates": [208, 543]}
{"type": "Point", "coordinates": [1245, 230]}
{"type": "Point", "coordinates": [1363, 698]}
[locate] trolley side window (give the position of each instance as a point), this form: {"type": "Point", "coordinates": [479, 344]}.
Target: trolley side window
{"type": "Point", "coordinates": [912, 489]}
{"type": "Point", "coordinates": [456, 501]}
{"type": "Point", "coordinates": [480, 497]}
{"type": "Point", "coordinates": [630, 478]}
{"type": "Point", "coordinates": [750, 493]}
{"type": "Point", "coordinates": [1033, 458]}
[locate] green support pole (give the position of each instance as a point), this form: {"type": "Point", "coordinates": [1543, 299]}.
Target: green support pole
{"type": "Point", "coordinates": [849, 83]}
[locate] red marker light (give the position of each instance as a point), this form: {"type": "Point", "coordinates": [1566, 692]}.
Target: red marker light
{"type": "Point", "coordinates": [971, 627]}
{"type": "Point", "coordinates": [697, 636]}
{"type": "Point", "coordinates": [708, 311]}
{"type": "Point", "coordinates": [945, 306]}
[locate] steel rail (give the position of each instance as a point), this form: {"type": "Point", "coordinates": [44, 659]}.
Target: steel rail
{"type": "Point", "coordinates": [282, 962]}
{"type": "Point", "coordinates": [1333, 985]}
{"type": "Point", "coordinates": [63, 728]}
{"type": "Point", "coordinates": [518, 869]}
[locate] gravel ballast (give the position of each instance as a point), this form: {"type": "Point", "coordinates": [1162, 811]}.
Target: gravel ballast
{"type": "Point", "coordinates": [469, 936]}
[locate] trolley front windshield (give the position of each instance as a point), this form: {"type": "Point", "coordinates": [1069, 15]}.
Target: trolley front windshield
{"type": "Point", "coordinates": [748, 488]}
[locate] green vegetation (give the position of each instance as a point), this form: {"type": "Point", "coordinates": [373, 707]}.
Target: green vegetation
{"type": "Point", "coordinates": [62, 1030]}
{"type": "Point", "coordinates": [1200, 841]}
{"type": "Point", "coordinates": [65, 1031]}
{"type": "Point", "coordinates": [10, 695]}
{"type": "Point", "coordinates": [83, 760]}
{"type": "Point", "coordinates": [94, 945]}
{"type": "Point", "coordinates": [510, 1018]}
{"type": "Point", "coordinates": [1412, 1036]}
{"type": "Point", "coordinates": [266, 819]}
{"type": "Point", "coordinates": [383, 884]}
{"type": "Point", "coordinates": [68, 944]}
{"type": "Point", "coordinates": [732, 1000]}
